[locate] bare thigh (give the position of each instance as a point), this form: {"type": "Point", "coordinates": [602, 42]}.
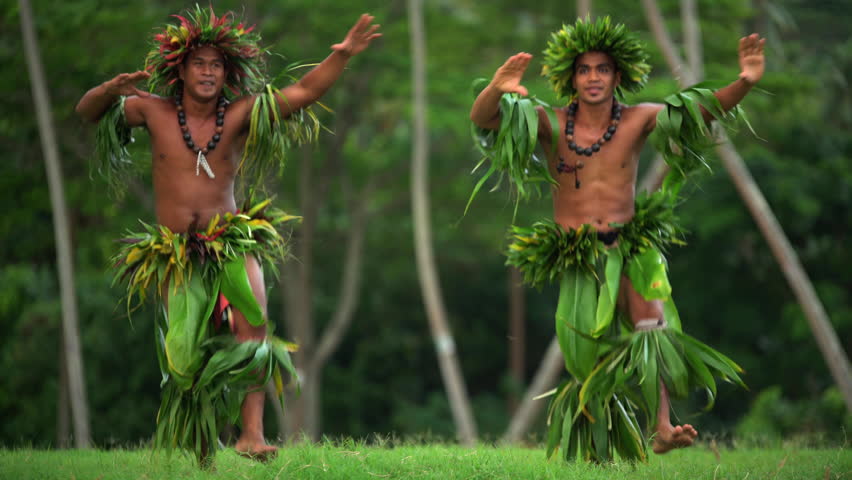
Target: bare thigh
{"type": "Point", "coordinates": [242, 328]}
{"type": "Point", "coordinates": [630, 301]}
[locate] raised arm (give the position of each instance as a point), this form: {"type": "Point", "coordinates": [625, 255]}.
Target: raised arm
{"type": "Point", "coordinates": [752, 64]}
{"type": "Point", "coordinates": [485, 112]}
{"type": "Point", "coordinates": [751, 70]}
{"type": "Point", "coordinates": [96, 101]}
{"type": "Point", "coordinates": [313, 85]}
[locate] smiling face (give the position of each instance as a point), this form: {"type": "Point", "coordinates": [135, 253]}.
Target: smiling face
{"type": "Point", "coordinates": [595, 77]}
{"type": "Point", "coordinates": [203, 73]}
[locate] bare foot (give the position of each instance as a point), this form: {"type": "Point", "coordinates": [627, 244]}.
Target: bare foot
{"type": "Point", "coordinates": [669, 437]}
{"type": "Point", "coordinates": [255, 450]}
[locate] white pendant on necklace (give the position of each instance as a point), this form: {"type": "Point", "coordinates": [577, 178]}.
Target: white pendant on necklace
{"type": "Point", "coordinates": [202, 162]}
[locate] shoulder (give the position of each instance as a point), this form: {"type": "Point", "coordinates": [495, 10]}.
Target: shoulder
{"type": "Point", "coordinates": [642, 113]}
{"type": "Point", "coordinates": [240, 109]}
{"type": "Point", "coordinates": [150, 103]}
{"type": "Point", "coordinates": [138, 109]}
{"type": "Point", "coordinates": [241, 104]}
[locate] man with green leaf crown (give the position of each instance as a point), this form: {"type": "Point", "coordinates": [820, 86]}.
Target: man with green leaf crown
{"type": "Point", "coordinates": [616, 322]}
{"type": "Point", "coordinates": [217, 119]}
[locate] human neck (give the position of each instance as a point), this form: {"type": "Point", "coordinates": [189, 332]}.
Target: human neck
{"type": "Point", "coordinates": [196, 107]}
{"type": "Point", "coordinates": [594, 114]}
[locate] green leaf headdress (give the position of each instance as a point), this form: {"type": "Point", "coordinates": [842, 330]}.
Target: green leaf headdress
{"type": "Point", "coordinates": [200, 27]}
{"type": "Point", "coordinates": [567, 44]}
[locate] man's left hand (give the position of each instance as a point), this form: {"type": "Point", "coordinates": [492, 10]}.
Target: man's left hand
{"type": "Point", "coordinates": [752, 61]}
{"type": "Point", "coordinates": [359, 37]}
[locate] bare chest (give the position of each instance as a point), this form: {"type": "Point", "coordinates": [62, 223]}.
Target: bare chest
{"type": "Point", "coordinates": [587, 154]}
{"type": "Point", "coordinates": [174, 149]}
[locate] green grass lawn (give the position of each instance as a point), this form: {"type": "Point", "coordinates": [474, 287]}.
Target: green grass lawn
{"type": "Point", "coordinates": [351, 460]}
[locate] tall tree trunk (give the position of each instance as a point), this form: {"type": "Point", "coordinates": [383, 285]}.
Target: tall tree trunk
{"type": "Point", "coordinates": [552, 365]}
{"type": "Point", "coordinates": [305, 412]}
{"type": "Point", "coordinates": [517, 332]}
{"type": "Point", "coordinates": [62, 234]}
{"type": "Point", "coordinates": [584, 8]}
{"type": "Point", "coordinates": [63, 414]}
{"type": "Point", "coordinates": [426, 269]}
{"type": "Point", "coordinates": [300, 322]}
{"type": "Point", "coordinates": [692, 37]}
{"type": "Point", "coordinates": [695, 57]}
{"type": "Point", "coordinates": [685, 76]}
{"type": "Point", "coordinates": [824, 334]}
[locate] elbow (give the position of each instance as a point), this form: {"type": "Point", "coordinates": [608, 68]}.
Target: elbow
{"type": "Point", "coordinates": [85, 115]}
{"type": "Point", "coordinates": [477, 120]}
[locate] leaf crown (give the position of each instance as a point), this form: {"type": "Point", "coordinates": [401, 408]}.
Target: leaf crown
{"type": "Point", "coordinates": [617, 41]}
{"type": "Point", "coordinates": [201, 27]}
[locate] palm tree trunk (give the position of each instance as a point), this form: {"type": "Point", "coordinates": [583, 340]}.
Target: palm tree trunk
{"type": "Point", "coordinates": [584, 8]}
{"type": "Point", "coordinates": [62, 234]}
{"type": "Point", "coordinates": [63, 417]}
{"type": "Point", "coordinates": [551, 366]}
{"type": "Point", "coordinates": [426, 269]}
{"type": "Point", "coordinates": [824, 334]}
{"type": "Point", "coordinates": [517, 332]}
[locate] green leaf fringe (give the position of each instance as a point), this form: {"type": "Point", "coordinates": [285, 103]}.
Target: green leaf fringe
{"type": "Point", "coordinates": [511, 149]}
{"type": "Point", "coordinates": [601, 430]}
{"type": "Point", "coordinates": [150, 259]}
{"type": "Point", "coordinates": [546, 251]}
{"type": "Point", "coordinates": [640, 359]}
{"type": "Point", "coordinates": [684, 138]}
{"type": "Point", "coordinates": [191, 419]}
{"type": "Point", "coordinates": [270, 138]}
{"type": "Point", "coordinates": [112, 160]}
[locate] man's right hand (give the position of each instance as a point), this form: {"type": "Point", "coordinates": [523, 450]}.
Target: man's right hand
{"type": "Point", "coordinates": [508, 77]}
{"type": "Point", "coordinates": [125, 84]}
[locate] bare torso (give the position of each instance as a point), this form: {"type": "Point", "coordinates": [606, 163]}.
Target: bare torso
{"type": "Point", "coordinates": [607, 179]}
{"type": "Point", "coordinates": [186, 201]}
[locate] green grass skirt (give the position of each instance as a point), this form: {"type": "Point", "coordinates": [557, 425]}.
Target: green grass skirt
{"type": "Point", "coordinates": [205, 372]}
{"type": "Point", "coordinates": [615, 371]}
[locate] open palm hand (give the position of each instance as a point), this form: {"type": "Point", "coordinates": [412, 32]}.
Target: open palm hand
{"type": "Point", "coordinates": [752, 61]}
{"type": "Point", "coordinates": [508, 77]}
{"type": "Point", "coordinates": [359, 36]}
{"type": "Point", "coordinates": [125, 84]}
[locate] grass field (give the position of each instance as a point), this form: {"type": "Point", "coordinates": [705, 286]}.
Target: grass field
{"type": "Point", "coordinates": [351, 460]}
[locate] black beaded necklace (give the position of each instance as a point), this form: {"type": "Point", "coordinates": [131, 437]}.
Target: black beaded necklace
{"type": "Point", "coordinates": [563, 167]}
{"type": "Point", "coordinates": [187, 137]}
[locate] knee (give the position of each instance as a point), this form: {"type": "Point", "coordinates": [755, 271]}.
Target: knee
{"type": "Point", "coordinates": [646, 310]}
{"type": "Point", "coordinates": [251, 334]}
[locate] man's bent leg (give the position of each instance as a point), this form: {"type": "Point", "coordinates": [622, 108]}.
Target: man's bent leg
{"type": "Point", "coordinates": [251, 442]}
{"type": "Point", "coordinates": [645, 312]}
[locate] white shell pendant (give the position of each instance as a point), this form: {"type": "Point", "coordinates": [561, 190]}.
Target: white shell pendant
{"type": "Point", "coordinates": [202, 162]}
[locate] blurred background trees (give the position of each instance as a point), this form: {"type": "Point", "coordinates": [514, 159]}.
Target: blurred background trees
{"type": "Point", "coordinates": [355, 305]}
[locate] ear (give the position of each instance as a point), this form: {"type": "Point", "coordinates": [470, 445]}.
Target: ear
{"type": "Point", "coordinates": [618, 78]}
{"type": "Point", "coordinates": [180, 71]}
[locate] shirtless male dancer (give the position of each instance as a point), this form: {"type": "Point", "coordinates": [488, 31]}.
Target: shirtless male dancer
{"type": "Point", "coordinates": [186, 200]}
{"type": "Point", "coordinates": [603, 190]}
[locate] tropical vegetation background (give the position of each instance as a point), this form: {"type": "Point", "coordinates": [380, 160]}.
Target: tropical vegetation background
{"type": "Point", "coordinates": [352, 297]}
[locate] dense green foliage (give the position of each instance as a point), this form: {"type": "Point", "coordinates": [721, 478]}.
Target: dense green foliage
{"type": "Point", "coordinates": [384, 377]}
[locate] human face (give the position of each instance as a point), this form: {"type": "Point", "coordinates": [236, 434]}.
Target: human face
{"type": "Point", "coordinates": [595, 77]}
{"type": "Point", "coordinates": [203, 73]}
